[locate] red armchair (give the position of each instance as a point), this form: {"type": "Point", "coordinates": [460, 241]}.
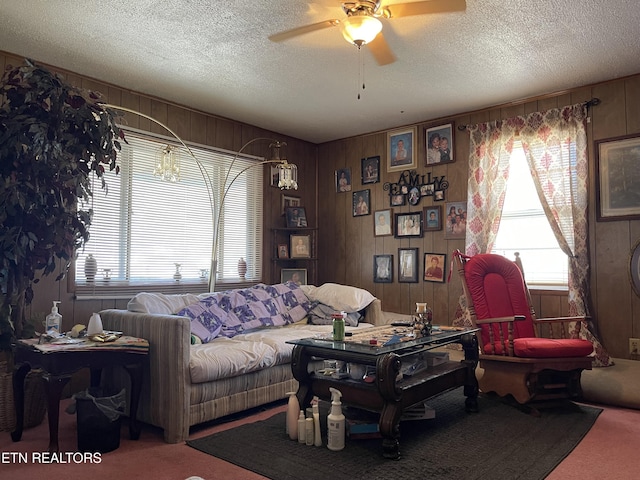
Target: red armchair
{"type": "Point", "coordinates": [519, 355]}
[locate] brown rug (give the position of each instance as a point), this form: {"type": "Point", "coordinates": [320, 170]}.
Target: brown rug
{"type": "Point", "coordinates": [501, 443]}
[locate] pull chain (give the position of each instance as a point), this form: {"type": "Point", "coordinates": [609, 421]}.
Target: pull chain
{"type": "Point", "coordinates": [360, 70]}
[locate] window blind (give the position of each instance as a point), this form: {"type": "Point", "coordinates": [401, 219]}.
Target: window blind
{"type": "Point", "coordinates": [145, 230]}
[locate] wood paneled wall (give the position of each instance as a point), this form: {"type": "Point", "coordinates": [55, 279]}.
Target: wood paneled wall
{"type": "Point", "coordinates": [191, 126]}
{"type": "Point", "coordinates": [349, 245]}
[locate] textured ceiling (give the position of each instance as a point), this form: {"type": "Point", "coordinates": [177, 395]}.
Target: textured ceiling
{"type": "Point", "coordinates": [215, 56]}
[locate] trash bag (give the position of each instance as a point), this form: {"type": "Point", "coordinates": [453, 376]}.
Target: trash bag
{"type": "Point", "coordinates": [99, 419]}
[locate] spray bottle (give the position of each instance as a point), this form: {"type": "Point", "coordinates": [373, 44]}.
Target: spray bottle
{"type": "Point", "coordinates": [335, 422]}
{"type": "Point", "coordinates": [54, 319]}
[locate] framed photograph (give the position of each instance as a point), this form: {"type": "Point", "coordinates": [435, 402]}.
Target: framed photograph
{"type": "Point", "coordinates": [439, 146]}
{"type": "Point", "coordinates": [427, 189]}
{"type": "Point", "coordinates": [408, 265]}
{"type": "Point", "coordinates": [296, 217]}
{"type": "Point", "coordinates": [618, 178]}
{"type": "Point", "coordinates": [283, 250]}
{"type": "Point", "coordinates": [433, 218]}
{"type": "Point", "coordinates": [401, 153]}
{"type": "Point", "coordinates": [343, 180]}
{"type": "Point", "coordinates": [456, 220]}
{"type": "Point", "coordinates": [295, 275]}
{"type": "Point", "coordinates": [300, 246]}
{"type": "Point", "coordinates": [634, 268]}
{"type": "Point", "coordinates": [408, 224]}
{"type": "Point", "coordinates": [289, 201]}
{"type": "Point", "coordinates": [434, 267]}
{"type": "Point", "coordinates": [361, 203]}
{"type": "Point", "coordinates": [370, 170]}
{"type": "Point", "coordinates": [383, 268]}
{"type": "Point", "coordinates": [396, 200]}
{"type": "Point", "coordinates": [438, 195]}
{"type": "Point", "coordinates": [382, 223]}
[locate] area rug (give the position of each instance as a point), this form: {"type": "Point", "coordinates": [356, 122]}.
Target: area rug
{"type": "Point", "coordinates": [501, 442]}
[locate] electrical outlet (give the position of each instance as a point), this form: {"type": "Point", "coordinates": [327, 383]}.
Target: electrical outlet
{"type": "Point", "coordinates": [634, 346]}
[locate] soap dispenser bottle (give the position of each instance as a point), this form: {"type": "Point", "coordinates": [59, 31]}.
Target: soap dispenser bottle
{"type": "Point", "coordinates": [335, 422]}
{"type": "Point", "coordinates": [54, 319]}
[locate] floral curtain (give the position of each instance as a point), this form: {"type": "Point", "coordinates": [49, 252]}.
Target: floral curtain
{"type": "Point", "coordinates": [555, 145]}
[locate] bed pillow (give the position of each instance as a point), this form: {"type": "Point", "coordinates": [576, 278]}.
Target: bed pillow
{"type": "Point", "coordinates": [342, 298]}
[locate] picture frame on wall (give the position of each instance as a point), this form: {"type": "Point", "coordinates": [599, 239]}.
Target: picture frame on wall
{"type": "Point", "coordinates": [370, 170]}
{"type": "Point", "coordinates": [618, 178]}
{"type": "Point", "coordinates": [408, 225]}
{"type": "Point", "coordinates": [300, 246]}
{"type": "Point", "coordinates": [361, 203]}
{"type": "Point", "coordinates": [396, 200]}
{"type": "Point", "coordinates": [383, 222]}
{"type": "Point", "coordinates": [456, 220]}
{"type": "Point", "coordinates": [383, 268]}
{"type": "Point", "coordinates": [435, 265]}
{"type": "Point", "coordinates": [439, 144]}
{"type": "Point", "coordinates": [289, 201]}
{"type": "Point", "coordinates": [432, 218]}
{"type": "Point", "coordinates": [401, 150]}
{"type": "Point", "coordinates": [296, 217]}
{"type": "Point", "coordinates": [295, 275]}
{"type": "Point", "coordinates": [283, 250]}
{"type": "Point", "coordinates": [343, 180]}
{"type": "Point", "coordinates": [407, 265]}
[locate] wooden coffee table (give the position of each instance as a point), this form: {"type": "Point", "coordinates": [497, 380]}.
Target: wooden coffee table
{"type": "Point", "coordinates": [387, 394]}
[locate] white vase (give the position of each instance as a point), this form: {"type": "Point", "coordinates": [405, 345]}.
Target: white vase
{"type": "Point", "coordinates": [242, 268]}
{"type": "Point", "coordinates": [90, 268]}
{"type": "Point", "coordinates": [293, 407]}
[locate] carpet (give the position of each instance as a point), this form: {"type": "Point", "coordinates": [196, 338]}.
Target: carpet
{"type": "Point", "coordinates": [501, 442]}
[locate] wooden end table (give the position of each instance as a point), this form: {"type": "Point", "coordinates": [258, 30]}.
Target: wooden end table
{"type": "Point", "coordinates": [61, 361]}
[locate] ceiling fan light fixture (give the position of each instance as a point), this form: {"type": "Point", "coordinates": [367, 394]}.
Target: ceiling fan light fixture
{"type": "Point", "coordinates": [360, 29]}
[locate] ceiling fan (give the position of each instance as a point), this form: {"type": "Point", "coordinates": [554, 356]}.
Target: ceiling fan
{"type": "Point", "coordinates": [361, 26]}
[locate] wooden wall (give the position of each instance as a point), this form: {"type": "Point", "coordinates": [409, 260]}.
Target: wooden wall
{"type": "Point", "coordinates": [191, 126]}
{"type": "Point", "coordinates": [350, 245]}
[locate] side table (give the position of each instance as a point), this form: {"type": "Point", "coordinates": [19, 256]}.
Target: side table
{"type": "Point", "coordinates": [59, 362]}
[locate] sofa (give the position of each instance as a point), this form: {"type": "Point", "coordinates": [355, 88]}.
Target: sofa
{"type": "Point", "coordinates": [210, 355]}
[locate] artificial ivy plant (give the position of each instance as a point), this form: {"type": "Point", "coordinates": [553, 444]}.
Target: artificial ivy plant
{"type": "Point", "coordinates": [53, 137]}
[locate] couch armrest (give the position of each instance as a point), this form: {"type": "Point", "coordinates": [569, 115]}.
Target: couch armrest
{"type": "Point", "coordinates": [373, 313]}
{"type": "Point", "coordinates": [169, 336]}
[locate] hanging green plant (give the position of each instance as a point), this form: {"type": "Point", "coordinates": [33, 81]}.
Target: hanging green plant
{"type": "Point", "coordinates": [53, 137]}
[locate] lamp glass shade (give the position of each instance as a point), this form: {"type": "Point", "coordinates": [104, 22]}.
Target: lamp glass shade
{"type": "Point", "coordinates": [360, 29]}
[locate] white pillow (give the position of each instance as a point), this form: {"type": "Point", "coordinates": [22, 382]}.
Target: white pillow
{"type": "Point", "coordinates": [147, 302]}
{"type": "Point", "coordinates": [342, 298]}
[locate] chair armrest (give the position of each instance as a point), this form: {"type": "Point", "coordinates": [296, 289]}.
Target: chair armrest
{"type": "Point", "coordinates": [486, 321]}
{"type": "Point", "coordinates": [549, 323]}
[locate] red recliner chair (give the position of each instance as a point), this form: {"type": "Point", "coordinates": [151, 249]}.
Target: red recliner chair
{"type": "Point", "coordinates": [528, 358]}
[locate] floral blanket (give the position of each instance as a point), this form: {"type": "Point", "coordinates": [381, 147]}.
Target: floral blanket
{"type": "Point", "coordinates": [233, 312]}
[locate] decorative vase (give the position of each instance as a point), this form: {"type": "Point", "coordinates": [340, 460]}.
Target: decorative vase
{"type": "Point", "coordinates": [177, 276]}
{"type": "Point", "coordinates": [90, 268]}
{"type": "Point", "coordinates": [242, 268]}
{"type": "Point", "coordinates": [293, 407]}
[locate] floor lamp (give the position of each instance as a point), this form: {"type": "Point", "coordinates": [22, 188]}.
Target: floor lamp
{"type": "Point", "coordinates": [287, 180]}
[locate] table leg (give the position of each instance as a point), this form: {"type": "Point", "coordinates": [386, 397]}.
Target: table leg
{"type": "Point", "coordinates": [300, 369]}
{"type": "Point", "coordinates": [54, 384]}
{"type": "Point", "coordinates": [470, 347]}
{"type": "Point", "coordinates": [387, 368]}
{"type": "Point", "coordinates": [135, 373]}
{"type": "Point", "coordinates": [19, 374]}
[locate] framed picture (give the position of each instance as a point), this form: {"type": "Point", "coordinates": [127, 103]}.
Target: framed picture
{"type": "Point", "coordinates": [283, 250]}
{"type": "Point", "coordinates": [383, 268]}
{"type": "Point", "coordinates": [296, 217]}
{"type": "Point", "coordinates": [295, 275]}
{"type": "Point", "coordinates": [289, 201]}
{"type": "Point", "coordinates": [433, 218]}
{"type": "Point", "coordinates": [456, 220]}
{"type": "Point", "coordinates": [618, 178]}
{"type": "Point", "coordinates": [370, 170]}
{"type": "Point", "coordinates": [300, 246]}
{"type": "Point", "coordinates": [434, 267]}
{"type": "Point", "coordinates": [439, 144]}
{"type": "Point", "coordinates": [382, 223]}
{"type": "Point", "coordinates": [634, 268]}
{"type": "Point", "coordinates": [361, 203]}
{"type": "Point", "coordinates": [396, 200]}
{"type": "Point", "coordinates": [401, 153]}
{"type": "Point", "coordinates": [343, 180]}
{"type": "Point", "coordinates": [408, 224]}
{"type": "Point", "coordinates": [408, 265]}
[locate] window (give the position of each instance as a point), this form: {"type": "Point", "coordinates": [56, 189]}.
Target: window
{"type": "Point", "coordinates": [524, 228]}
{"type": "Point", "coordinates": [145, 230]}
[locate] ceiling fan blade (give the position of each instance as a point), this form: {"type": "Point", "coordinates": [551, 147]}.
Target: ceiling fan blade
{"type": "Point", "coordinates": [422, 8]}
{"type": "Point", "coordinates": [381, 51]}
{"type": "Point", "coordinates": [294, 32]}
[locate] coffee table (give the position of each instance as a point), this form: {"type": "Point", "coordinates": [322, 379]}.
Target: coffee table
{"type": "Point", "coordinates": [389, 393]}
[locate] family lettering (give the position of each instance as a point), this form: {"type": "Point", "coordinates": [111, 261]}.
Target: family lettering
{"type": "Point", "coordinates": [412, 186]}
